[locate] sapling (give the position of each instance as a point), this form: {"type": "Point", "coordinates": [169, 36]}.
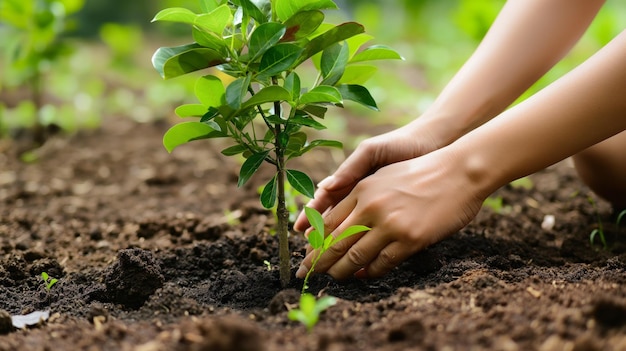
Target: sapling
{"type": "Point", "coordinates": [267, 107]}
{"type": "Point", "coordinates": [310, 308]}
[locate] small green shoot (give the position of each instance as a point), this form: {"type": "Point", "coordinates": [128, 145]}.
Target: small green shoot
{"type": "Point", "coordinates": [267, 264]}
{"type": "Point", "coordinates": [319, 242]}
{"type": "Point", "coordinates": [620, 216]}
{"type": "Point", "coordinates": [310, 309]}
{"type": "Point", "coordinates": [600, 230]}
{"type": "Point", "coordinates": [48, 281]}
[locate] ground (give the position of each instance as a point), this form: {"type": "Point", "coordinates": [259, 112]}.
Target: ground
{"type": "Point", "coordinates": [162, 252]}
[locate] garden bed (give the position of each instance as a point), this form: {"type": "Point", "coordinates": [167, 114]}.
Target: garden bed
{"type": "Point", "coordinates": [162, 252]}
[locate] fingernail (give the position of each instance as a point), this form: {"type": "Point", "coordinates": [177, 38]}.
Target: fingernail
{"type": "Point", "coordinates": [361, 274]}
{"type": "Point", "coordinates": [302, 271]}
{"type": "Point", "coordinates": [326, 182]}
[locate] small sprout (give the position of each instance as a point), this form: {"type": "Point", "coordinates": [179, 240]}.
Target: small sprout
{"type": "Point", "coordinates": [310, 309]}
{"type": "Point", "coordinates": [620, 216]}
{"type": "Point", "coordinates": [267, 264]}
{"type": "Point", "coordinates": [600, 230]}
{"type": "Point", "coordinates": [319, 242]}
{"type": "Point", "coordinates": [48, 280]}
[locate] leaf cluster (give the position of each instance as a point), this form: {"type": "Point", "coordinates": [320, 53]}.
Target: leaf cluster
{"type": "Point", "coordinates": [310, 309]}
{"type": "Point", "coordinates": [266, 107]}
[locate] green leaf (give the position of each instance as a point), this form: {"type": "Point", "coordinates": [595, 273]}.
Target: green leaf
{"type": "Point", "coordinates": [315, 110]}
{"type": "Point", "coordinates": [330, 37]}
{"type": "Point", "coordinates": [264, 37]}
{"type": "Point", "coordinates": [301, 24]}
{"type": "Point", "coordinates": [250, 166]}
{"type": "Point", "coordinates": [315, 219]}
{"type": "Point", "coordinates": [190, 110]}
{"type": "Point", "coordinates": [357, 74]}
{"type": "Point", "coordinates": [278, 59]}
{"type": "Point", "coordinates": [185, 132]}
{"type": "Point", "coordinates": [172, 62]}
{"type": "Point", "coordinates": [322, 94]}
{"type": "Point", "coordinates": [301, 182]}
{"type": "Point", "coordinates": [320, 142]}
{"type": "Point", "coordinates": [357, 41]}
{"type": "Point", "coordinates": [236, 91]}
{"type": "Point", "coordinates": [253, 11]}
{"type": "Point", "coordinates": [296, 142]}
{"type": "Point", "coordinates": [208, 117]}
{"type": "Point", "coordinates": [216, 20]}
{"type": "Point", "coordinates": [376, 52]}
{"type": "Point", "coordinates": [287, 8]}
{"type": "Point", "coordinates": [292, 85]}
{"type": "Point", "coordinates": [210, 40]}
{"type": "Point", "coordinates": [333, 63]}
{"type": "Point", "coordinates": [175, 14]}
{"type": "Point", "coordinates": [306, 121]}
{"type": "Point", "coordinates": [316, 239]}
{"type": "Point", "coordinates": [358, 93]}
{"type": "Point", "coordinates": [324, 303]}
{"type": "Point", "coordinates": [209, 5]}
{"type": "Point", "coordinates": [210, 91]}
{"type": "Point", "coordinates": [350, 231]}
{"type": "Point", "coordinates": [267, 94]}
{"type": "Point", "coordinates": [234, 150]}
{"type": "Point", "coordinates": [268, 195]}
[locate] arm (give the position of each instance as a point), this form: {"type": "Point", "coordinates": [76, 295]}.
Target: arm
{"type": "Point", "coordinates": [412, 204]}
{"type": "Point", "coordinates": [584, 107]}
{"type": "Point", "coordinates": [527, 38]}
{"type": "Point", "coordinates": [525, 41]}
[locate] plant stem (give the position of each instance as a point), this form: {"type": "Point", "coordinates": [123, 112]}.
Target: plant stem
{"type": "Point", "coordinates": [282, 213]}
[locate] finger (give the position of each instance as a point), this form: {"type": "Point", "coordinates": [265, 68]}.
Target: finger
{"type": "Point", "coordinates": [388, 258]}
{"type": "Point", "coordinates": [359, 255]}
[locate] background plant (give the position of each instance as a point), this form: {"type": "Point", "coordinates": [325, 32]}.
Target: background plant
{"type": "Point", "coordinates": [267, 107]}
{"type": "Point", "coordinates": [34, 42]}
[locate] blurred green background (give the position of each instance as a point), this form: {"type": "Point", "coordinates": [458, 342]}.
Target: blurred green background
{"type": "Point", "coordinates": [103, 68]}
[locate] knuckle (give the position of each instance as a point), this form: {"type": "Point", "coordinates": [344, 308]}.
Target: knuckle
{"type": "Point", "coordinates": [357, 257]}
{"type": "Point", "coordinates": [387, 259]}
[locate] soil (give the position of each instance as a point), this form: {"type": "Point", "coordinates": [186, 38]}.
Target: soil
{"type": "Point", "coordinates": [162, 252]}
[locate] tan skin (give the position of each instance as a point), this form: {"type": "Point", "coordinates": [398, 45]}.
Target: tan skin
{"type": "Point", "coordinates": [425, 181]}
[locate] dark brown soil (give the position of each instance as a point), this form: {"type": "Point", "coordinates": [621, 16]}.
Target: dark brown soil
{"type": "Point", "coordinates": [162, 252]}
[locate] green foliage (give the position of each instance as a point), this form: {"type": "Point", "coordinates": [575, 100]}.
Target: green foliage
{"type": "Point", "coordinates": [310, 309]}
{"type": "Point", "coordinates": [34, 33]}
{"type": "Point", "coordinates": [48, 281]}
{"type": "Point", "coordinates": [320, 242]}
{"type": "Point", "coordinates": [37, 27]}
{"type": "Point", "coordinates": [265, 108]}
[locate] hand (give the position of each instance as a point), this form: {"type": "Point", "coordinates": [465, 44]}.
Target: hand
{"type": "Point", "coordinates": [409, 205]}
{"type": "Point", "coordinates": [405, 143]}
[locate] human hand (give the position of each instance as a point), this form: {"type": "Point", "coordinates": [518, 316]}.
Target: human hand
{"type": "Point", "coordinates": [404, 143]}
{"type": "Point", "coordinates": [409, 205]}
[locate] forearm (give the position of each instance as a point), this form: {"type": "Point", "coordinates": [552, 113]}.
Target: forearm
{"type": "Point", "coordinates": [579, 110]}
{"type": "Point", "coordinates": [525, 41]}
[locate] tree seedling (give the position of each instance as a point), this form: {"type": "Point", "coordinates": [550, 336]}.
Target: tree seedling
{"type": "Point", "coordinates": [48, 281]}
{"type": "Point", "coordinates": [266, 108]}
{"type": "Point", "coordinates": [310, 307]}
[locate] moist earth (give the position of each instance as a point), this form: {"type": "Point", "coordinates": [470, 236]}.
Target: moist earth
{"type": "Point", "coordinates": [163, 252]}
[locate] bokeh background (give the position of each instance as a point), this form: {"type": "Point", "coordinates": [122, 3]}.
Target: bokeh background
{"type": "Point", "coordinates": [99, 65]}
